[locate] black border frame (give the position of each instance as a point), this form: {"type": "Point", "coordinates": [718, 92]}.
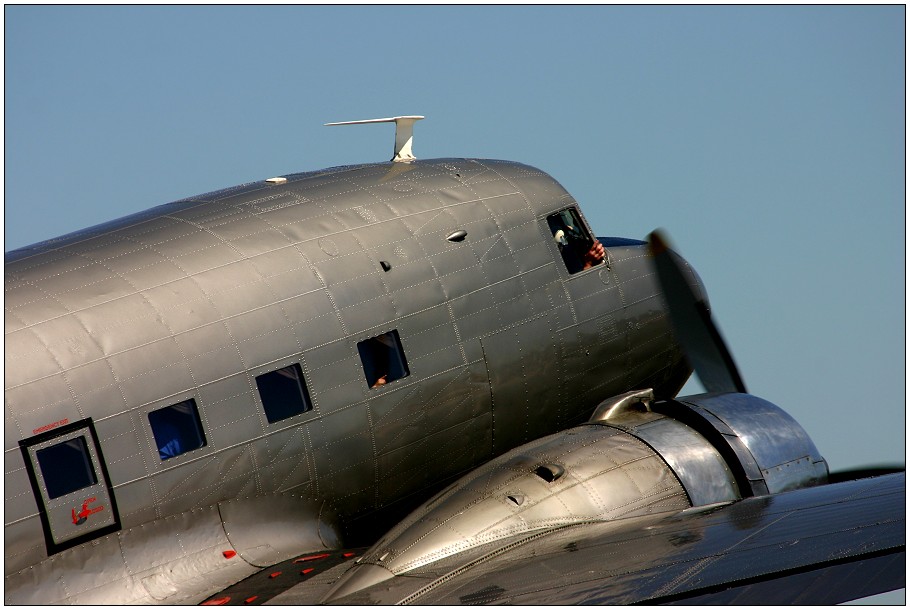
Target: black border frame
{"type": "Point", "coordinates": [25, 444]}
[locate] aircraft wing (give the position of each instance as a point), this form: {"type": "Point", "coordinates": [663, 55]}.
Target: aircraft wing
{"type": "Point", "coordinates": [819, 545]}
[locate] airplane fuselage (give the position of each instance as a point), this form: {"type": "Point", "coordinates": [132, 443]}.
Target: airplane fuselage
{"type": "Point", "coordinates": [424, 308]}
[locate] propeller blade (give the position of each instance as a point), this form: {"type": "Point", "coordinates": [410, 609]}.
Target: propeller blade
{"type": "Point", "coordinates": [691, 321]}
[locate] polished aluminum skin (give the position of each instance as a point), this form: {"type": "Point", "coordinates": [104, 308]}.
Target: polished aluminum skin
{"type": "Point", "coordinates": [192, 300]}
{"type": "Point", "coordinates": [818, 545]}
{"type": "Point", "coordinates": [590, 473]}
{"type": "Point", "coordinates": [628, 460]}
{"type": "Point", "coordinates": [435, 327]}
{"type": "Point", "coordinates": [774, 451]}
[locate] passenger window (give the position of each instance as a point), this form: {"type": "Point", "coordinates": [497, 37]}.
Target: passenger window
{"type": "Point", "coordinates": [283, 393]}
{"type": "Point", "coordinates": [66, 467]}
{"type": "Point", "coordinates": [383, 359]}
{"type": "Point", "coordinates": [177, 429]}
{"type": "Point", "coordinates": [578, 249]}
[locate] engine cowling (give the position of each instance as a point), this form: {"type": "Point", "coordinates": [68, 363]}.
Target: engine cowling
{"type": "Point", "coordinates": [634, 457]}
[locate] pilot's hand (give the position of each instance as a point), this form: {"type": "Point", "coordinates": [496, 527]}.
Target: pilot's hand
{"type": "Point", "coordinates": [595, 255]}
{"type": "Point", "coordinates": [380, 381]}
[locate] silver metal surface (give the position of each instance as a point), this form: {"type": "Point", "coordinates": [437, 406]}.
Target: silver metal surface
{"type": "Point", "coordinates": [590, 473]}
{"type": "Point", "coordinates": [779, 448]}
{"type": "Point", "coordinates": [803, 547]}
{"type": "Point", "coordinates": [697, 464]}
{"type": "Point", "coordinates": [196, 298]}
{"type": "Point", "coordinates": [614, 408]}
{"type": "Point", "coordinates": [506, 348]}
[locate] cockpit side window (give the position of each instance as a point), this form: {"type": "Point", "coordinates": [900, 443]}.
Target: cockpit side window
{"type": "Point", "coordinates": [579, 250]}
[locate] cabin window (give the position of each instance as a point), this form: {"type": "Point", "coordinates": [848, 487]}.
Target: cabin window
{"type": "Point", "coordinates": [575, 244]}
{"type": "Point", "coordinates": [383, 359]}
{"type": "Point", "coordinates": [283, 393]}
{"type": "Point", "coordinates": [177, 429]}
{"type": "Point", "coordinates": [66, 467]}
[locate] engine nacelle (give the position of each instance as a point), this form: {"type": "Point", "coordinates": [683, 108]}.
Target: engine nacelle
{"type": "Point", "coordinates": [634, 457]}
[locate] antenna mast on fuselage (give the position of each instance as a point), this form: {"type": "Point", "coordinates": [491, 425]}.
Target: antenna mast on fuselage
{"type": "Point", "coordinates": [404, 134]}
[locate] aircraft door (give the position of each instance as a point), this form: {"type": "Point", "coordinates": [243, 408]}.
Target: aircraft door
{"type": "Point", "coordinates": [71, 485]}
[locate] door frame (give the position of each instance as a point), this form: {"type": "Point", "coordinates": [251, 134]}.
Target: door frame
{"type": "Point", "coordinates": [29, 448]}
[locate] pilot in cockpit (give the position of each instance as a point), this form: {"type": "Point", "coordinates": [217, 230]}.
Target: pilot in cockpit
{"type": "Point", "coordinates": [579, 250]}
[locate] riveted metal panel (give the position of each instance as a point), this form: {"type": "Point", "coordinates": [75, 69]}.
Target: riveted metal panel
{"type": "Point", "coordinates": [476, 315]}
{"type": "Point", "coordinates": [212, 255]}
{"type": "Point", "coordinates": [143, 377]}
{"type": "Point", "coordinates": [123, 446]}
{"type": "Point", "coordinates": [426, 460]}
{"type": "Point", "coordinates": [233, 421]}
{"type": "Point", "coordinates": [263, 335]}
{"type": "Point", "coordinates": [94, 387]}
{"type": "Point", "coordinates": [607, 474]}
{"type": "Point", "coordinates": [66, 277]}
{"type": "Point", "coordinates": [443, 359]}
{"type": "Point", "coordinates": [210, 353]}
{"type": "Point", "coordinates": [223, 474]}
{"type": "Point", "coordinates": [182, 305]}
{"type": "Point", "coordinates": [45, 265]}
{"type": "Point", "coordinates": [18, 495]}
{"type": "Point", "coordinates": [41, 404]}
{"type": "Point", "coordinates": [235, 289]}
{"type": "Point", "coordinates": [305, 225]}
{"type": "Point", "coordinates": [341, 395]}
{"type": "Point", "coordinates": [459, 395]}
{"type": "Point", "coordinates": [12, 322]}
{"type": "Point", "coordinates": [175, 239]}
{"type": "Point", "coordinates": [241, 226]}
{"type": "Point", "coordinates": [124, 323]}
{"type": "Point", "coordinates": [367, 311]}
{"type": "Point", "coordinates": [138, 265]}
{"type": "Point", "coordinates": [456, 258]}
{"type": "Point", "coordinates": [521, 373]}
{"type": "Point", "coordinates": [94, 291]}
{"type": "Point", "coordinates": [413, 287]}
{"type": "Point", "coordinates": [44, 583]}
{"type": "Point", "coordinates": [400, 418]}
{"type": "Point", "coordinates": [284, 458]}
{"type": "Point", "coordinates": [32, 360]}
{"type": "Point", "coordinates": [433, 338]}
{"type": "Point", "coordinates": [317, 325]}
{"type": "Point", "coordinates": [133, 501]}
{"type": "Point", "coordinates": [383, 234]}
{"type": "Point", "coordinates": [343, 471]}
{"type": "Point", "coordinates": [30, 306]}
{"type": "Point", "coordinates": [23, 545]}
{"type": "Point", "coordinates": [65, 338]}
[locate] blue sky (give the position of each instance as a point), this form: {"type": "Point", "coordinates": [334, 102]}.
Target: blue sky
{"type": "Point", "coordinates": [768, 141]}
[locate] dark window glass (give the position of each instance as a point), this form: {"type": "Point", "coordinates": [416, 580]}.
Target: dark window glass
{"type": "Point", "coordinates": [383, 359]}
{"type": "Point", "coordinates": [574, 242]}
{"type": "Point", "coordinates": [177, 429]}
{"type": "Point", "coordinates": [66, 467]}
{"type": "Point", "coordinates": [283, 393]}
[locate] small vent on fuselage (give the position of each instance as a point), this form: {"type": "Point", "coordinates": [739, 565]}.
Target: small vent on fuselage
{"type": "Point", "coordinates": [550, 472]}
{"type": "Point", "coordinates": [516, 499]}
